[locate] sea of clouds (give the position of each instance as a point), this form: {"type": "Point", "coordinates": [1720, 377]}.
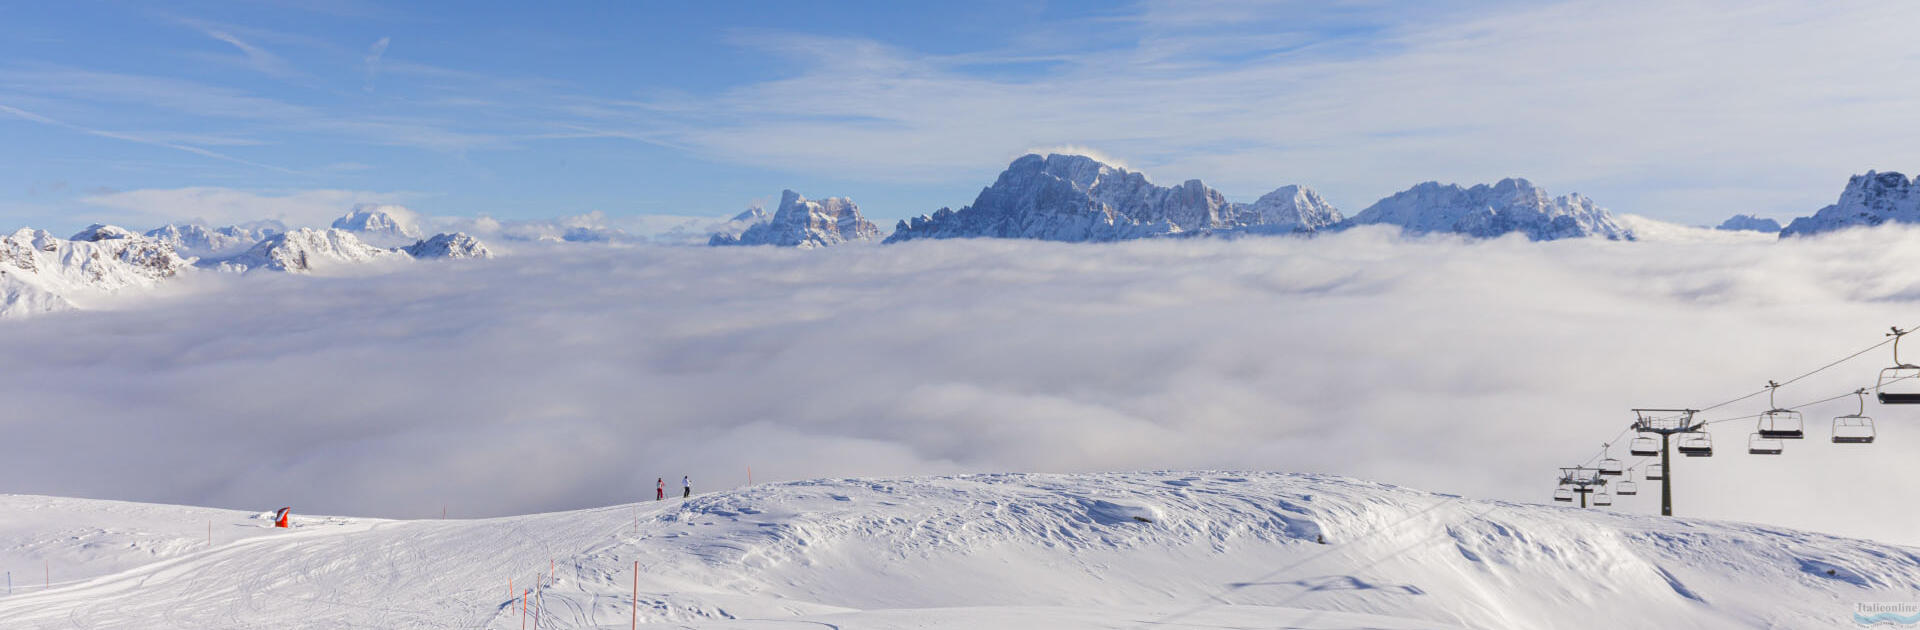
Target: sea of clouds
{"type": "Point", "coordinates": [573, 375]}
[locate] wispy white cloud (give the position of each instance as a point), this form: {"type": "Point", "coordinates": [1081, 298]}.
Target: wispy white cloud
{"type": "Point", "coordinates": [1642, 105]}
{"type": "Point", "coordinates": [258, 58]}
{"type": "Point", "coordinates": [374, 52]}
{"type": "Point", "coordinates": [159, 141]}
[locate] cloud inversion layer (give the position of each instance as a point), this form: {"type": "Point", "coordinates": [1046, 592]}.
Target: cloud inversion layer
{"type": "Point", "coordinates": [572, 376]}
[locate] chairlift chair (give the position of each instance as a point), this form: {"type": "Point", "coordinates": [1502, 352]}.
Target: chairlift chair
{"type": "Point", "coordinates": [1777, 423]}
{"type": "Point", "coordinates": [1644, 446]}
{"type": "Point", "coordinates": [1760, 444]}
{"type": "Point", "coordinates": [1563, 495]}
{"type": "Point", "coordinates": [1602, 500]}
{"type": "Point", "coordinates": [1855, 428]}
{"type": "Point", "coordinates": [1900, 384]}
{"type": "Point", "coordinates": [1626, 488]}
{"type": "Point", "coordinates": [1609, 466]}
{"type": "Point", "coordinates": [1696, 444]}
{"type": "Point", "coordinates": [1656, 472]}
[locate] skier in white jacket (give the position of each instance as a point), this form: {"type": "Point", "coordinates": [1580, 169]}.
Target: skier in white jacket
{"type": "Point", "coordinates": [686, 486]}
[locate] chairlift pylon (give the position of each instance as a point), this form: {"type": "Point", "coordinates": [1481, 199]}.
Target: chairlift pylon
{"type": "Point", "coordinates": [1900, 384]}
{"type": "Point", "coordinates": [1855, 428]}
{"type": "Point", "coordinates": [1777, 423]}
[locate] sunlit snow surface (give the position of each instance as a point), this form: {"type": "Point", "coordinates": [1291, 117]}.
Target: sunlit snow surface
{"type": "Point", "coordinates": [1007, 550]}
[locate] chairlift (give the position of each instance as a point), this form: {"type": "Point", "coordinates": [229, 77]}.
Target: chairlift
{"type": "Point", "coordinates": [1760, 444]}
{"type": "Point", "coordinates": [1855, 428]}
{"type": "Point", "coordinates": [1602, 500]}
{"type": "Point", "coordinates": [1609, 466]}
{"type": "Point", "coordinates": [1900, 384]}
{"type": "Point", "coordinates": [1777, 423]}
{"type": "Point", "coordinates": [1656, 472]}
{"type": "Point", "coordinates": [1644, 446]}
{"type": "Point", "coordinates": [1563, 495]}
{"type": "Point", "coordinates": [1696, 444]}
{"type": "Point", "coordinates": [1626, 487]}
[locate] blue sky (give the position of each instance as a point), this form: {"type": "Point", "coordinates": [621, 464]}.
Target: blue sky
{"type": "Point", "coordinates": [140, 113]}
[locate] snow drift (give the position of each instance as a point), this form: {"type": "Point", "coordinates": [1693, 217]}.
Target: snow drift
{"type": "Point", "coordinates": [1210, 549]}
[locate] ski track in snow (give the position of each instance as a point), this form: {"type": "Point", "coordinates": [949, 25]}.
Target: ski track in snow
{"type": "Point", "coordinates": [1120, 550]}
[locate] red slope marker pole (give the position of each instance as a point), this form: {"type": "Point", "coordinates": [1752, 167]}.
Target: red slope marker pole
{"type": "Point", "coordinates": [636, 595]}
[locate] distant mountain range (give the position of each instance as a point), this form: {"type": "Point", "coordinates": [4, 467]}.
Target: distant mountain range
{"type": "Point", "coordinates": [1055, 197]}
{"type": "Point", "coordinates": [1077, 199]}
{"type": "Point", "coordinates": [40, 272]}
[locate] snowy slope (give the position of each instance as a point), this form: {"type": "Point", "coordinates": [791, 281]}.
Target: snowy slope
{"type": "Point", "coordinates": [1181, 550]}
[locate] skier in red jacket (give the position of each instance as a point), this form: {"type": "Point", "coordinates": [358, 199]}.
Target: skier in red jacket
{"type": "Point", "coordinates": [660, 488]}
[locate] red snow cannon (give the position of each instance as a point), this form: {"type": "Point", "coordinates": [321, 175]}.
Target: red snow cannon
{"type": "Point", "coordinates": [280, 517]}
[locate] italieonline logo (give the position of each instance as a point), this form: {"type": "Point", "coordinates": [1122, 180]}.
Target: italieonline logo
{"type": "Point", "coordinates": [1896, 614]}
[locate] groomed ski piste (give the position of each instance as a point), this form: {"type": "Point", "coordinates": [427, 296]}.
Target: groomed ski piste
{"type": "Point", "coordinates": [1113, 550]}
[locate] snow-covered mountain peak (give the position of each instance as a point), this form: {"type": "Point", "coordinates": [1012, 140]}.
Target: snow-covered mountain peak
{"type": "Point", "coordinates": [381, 221]}
{"type": "Point", "coordinates": [1291, 208]}
{"type": "Point", "coordinates": [1749, 223]}
{"type": "Point", "coordinates": [101, 232]}
{"type": "Point", "coordinates": [1077, 198]}
{"type": "Point", "coordinates": [200, 240]}
{"type": "Point", "coordinates": [753, 214]}
{"type": "Point", "coordinates": [1869, 200]}
{"type": "Point", "coordinates": [800, 222]}
{"type": "Point", "coordinates": [305, 250]}
{"type": "Point", "coordinates": [1484, 211]}
{"type": "Point", "coordinates": [449, 246]}
{"type": "Point", "coordinates": [40, 272]}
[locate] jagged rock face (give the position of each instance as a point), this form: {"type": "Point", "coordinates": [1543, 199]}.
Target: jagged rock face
{"type": "Point", "coordinates": [1288, 209]}
{"type": "Point", "coordinates": [804, 223]}
{"type": "Point", "coordinates": [1748, 223]}
{"type": "Point", "coordinates": [1869, 200]}
{"type": "Point", "coordinates": [201, 240]}
{"type": "Point", "coordinates": [304, 250]}
{"type": "Point", "coordinates": [1513, 205]}
{"type": "Point", "coordinates": [384, 220]}
{"type": "Point", "coordinates": [1076, 198]}
{"type": "Point", "coordinates": [39, 272]}
{"type": "Point", "coordinates": [453, 245]}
